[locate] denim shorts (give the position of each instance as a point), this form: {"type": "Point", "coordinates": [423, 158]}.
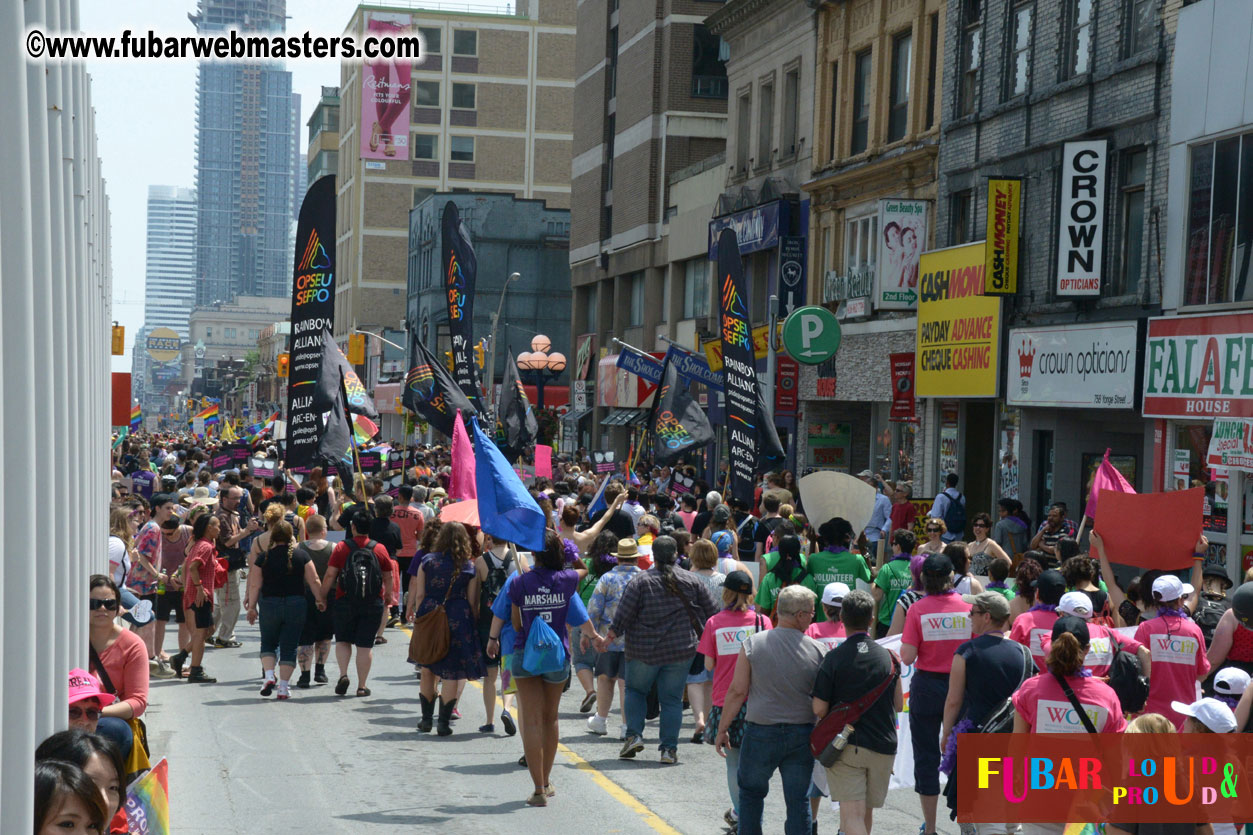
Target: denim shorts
{"type": "Point", "coordinates": [558, 677]}
{"type": "Point", "coordinates": [701, 677]}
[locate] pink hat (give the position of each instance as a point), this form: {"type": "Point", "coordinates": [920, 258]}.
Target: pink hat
{"type": "Point", "coordinates": [84, 686]}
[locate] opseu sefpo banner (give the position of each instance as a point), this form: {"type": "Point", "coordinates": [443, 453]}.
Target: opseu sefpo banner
{"type": "Point", "coordinates": [1081, 219]}
{"type": "Point", "coordinates": [1004, 202]}
{"type": "Point", "coordinates": [460, 270]}
{"type": "Point", "coordinates": [312, 312]}
{"type": "Point", "coordinates": [738, 370]}
{"type": "Point", "coordinates": [385, 94]}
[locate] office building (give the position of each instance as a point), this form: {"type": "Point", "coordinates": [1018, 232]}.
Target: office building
{"type": "Point", "coordinates": [170, 262]}
{"type": "Point", "coordinates": [322, 150]}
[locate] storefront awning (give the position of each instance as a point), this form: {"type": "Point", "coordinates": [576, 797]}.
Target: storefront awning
{"type": "Point", "coordinates": [625, 417]}
{"type": "Point", "coordinates": [575, 417]}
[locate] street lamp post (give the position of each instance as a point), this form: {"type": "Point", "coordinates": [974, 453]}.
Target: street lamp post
{"type": "Point", "coordinates": [541, 364]}
{"type": "Point", "coordinates": [491, 365]}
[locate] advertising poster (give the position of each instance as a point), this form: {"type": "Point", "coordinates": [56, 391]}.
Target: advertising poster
{"type": "Point", "coordinates": [739, 373]}
{"type": "Point", "coordinates": [902, 387]}
{"type": "Point", "coordinates": [902, 238]}
{"type": "Point", "coordinates": [1081, 219]}
{"type": "Point", "coordinates": [1182, 472]}
{"type": "Point", "coordinates": [830, 446]}
{"type": "Point", "coordinates": [385, 94]}
{"type": "Point", "coordinates": [1075, 366]}
{"type": "Point", "coordinates": [949, 431]}
{"type": "Point", "coordinates": [1004, 207]}
{"type": "Point", "coordinates": [959, 328]}
{"type": "Point", "coordinates": [312, 312]}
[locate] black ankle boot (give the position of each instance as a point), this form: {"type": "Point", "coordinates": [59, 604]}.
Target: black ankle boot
{"type": "Point", "coordinates": [199, 676]}
{"type": "Point", "coordinates": [319, 673]}
{"type": "Point", "coordinates": [303, 681]}
{"type": "Point", "coordinates": [428, 711]}
{"type": "Point", "coordinates": [443, 728]}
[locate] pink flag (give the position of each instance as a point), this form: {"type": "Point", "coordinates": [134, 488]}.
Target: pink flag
{"type": "Point", "coordinates": [543, 461]}
{"type": "Point", "coordinates": [462, 483]}
{"type": "Point", "coordinates": [1107, 477]}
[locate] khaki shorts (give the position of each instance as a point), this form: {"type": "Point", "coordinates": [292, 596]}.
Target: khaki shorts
{"type": "Point", "coordinates": [861, 775]}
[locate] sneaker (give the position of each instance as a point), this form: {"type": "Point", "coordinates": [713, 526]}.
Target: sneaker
{"type": "Point", "coordinates": [730, 818]}
{"type": "Point", "coordinates": [284, 692]}
{"type": "Point", "coordinates": [967, 829]}
{"type": "Point", "coordinates": [159, 669]}
{"type": "Point", "coordinates": [597, 724]}
{"type": "Point", "coordinates": [631, 747]}
{"type": "Point", "coordinates": [456, 714]}
{"type": "Point", "coordinates": [393, 622]}
{"type": "Point", "coordinates": [669, 756]}
{"type": "Point", "coordinates": [588, 701]}
{"type": "Point", "coordinates": [489, 728]}
{"type": "Point", "coordinates": [507, 721]}
{"type": "Point", "coordinates": [622, 732]}
{"type": "Point", "coordinates": [268, 687]}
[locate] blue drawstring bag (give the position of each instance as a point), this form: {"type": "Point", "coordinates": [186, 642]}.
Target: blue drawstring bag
{"type": "Point", "coordinates": [544, 652]}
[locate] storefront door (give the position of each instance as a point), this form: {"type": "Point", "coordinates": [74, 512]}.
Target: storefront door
{"type": "Point", "coordinates": [1228, 508]}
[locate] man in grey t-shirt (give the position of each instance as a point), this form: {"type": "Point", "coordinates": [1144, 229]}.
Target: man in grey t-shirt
{"type": "Point", "coordinates": [775, 673]}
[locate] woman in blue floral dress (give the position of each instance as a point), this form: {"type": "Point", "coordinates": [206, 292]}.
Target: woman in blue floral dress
{"type": "Point", "coordinates": [451, 559]}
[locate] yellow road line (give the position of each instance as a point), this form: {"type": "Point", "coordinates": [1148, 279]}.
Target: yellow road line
{"type": "Point", "coordinates": [611, 788]}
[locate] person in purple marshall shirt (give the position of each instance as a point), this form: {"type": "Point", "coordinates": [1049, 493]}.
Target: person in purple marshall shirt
{"type": "Point", "coordinates": [543, 593]}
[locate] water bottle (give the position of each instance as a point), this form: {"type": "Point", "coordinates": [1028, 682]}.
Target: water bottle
{"type": "Point", "coordinates": [835, 747]}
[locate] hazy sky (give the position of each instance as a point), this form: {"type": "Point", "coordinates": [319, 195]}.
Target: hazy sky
{"type": "Point", "coordinates": [146, 118]}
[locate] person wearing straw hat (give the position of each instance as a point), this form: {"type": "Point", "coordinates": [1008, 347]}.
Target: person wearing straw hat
{"type": "Point", "coordinates": [601, 609]}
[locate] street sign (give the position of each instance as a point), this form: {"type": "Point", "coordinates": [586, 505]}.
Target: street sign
{"type": "Point", "coordinates": [811, 335]}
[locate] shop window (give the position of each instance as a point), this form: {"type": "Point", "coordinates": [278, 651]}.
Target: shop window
{"type": "Point", "coordinates": [971, 56]}
{"type": "Point", "coordinates": [1220, 222]}
{"type": "Point", "coordinates": [1011, 426]}
{"type": "Point", "coordinates": [696, 288]}
{"type": "Point", "coordinates": [1131, 176]}
{"type": "Point", "coordinates": [898, 105]}
{"type": "Point", "coordinates": [1189, 469]}
{"type": "Point", "coordinates": [893, 447]}
{"type": "Point", "coordinates": [1139, 26]}
{"type": "Point", "coordinates": [861, 103]}
{"type": "Point", "coordinates": [1077, 31]}
{"type": "Point", "coordinates": [830, 446]}
{"type": "Point", "coordinates": [430, 39]}
{"type": "Point", "coordinates": [1018, 73]}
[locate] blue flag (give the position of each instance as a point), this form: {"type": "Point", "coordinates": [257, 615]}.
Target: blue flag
{"type": "Point", "coordinates": [598, 501]}
{"type": "Point", "coordinates": [506, 509]}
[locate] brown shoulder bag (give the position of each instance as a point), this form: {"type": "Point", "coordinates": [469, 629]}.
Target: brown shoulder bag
{"type": "Point", "coordinates": [431, 634]}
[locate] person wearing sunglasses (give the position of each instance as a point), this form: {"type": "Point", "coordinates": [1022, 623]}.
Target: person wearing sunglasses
{"type": "Point", "coordinates": [87, 699]}
{"type": "Point", "coordinates": [120, 660]}
{"type": "Point", "coordinates": [935, 530]}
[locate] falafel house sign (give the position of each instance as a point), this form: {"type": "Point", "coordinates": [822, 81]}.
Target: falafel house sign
{"type": "Point", "coordinates": [1199, 366]}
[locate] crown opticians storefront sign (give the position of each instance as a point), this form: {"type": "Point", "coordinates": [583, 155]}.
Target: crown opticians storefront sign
{"type": "Point", "coordinates": [1199, 366]}
{"type": "Point", "coordinates": [1073, 366]}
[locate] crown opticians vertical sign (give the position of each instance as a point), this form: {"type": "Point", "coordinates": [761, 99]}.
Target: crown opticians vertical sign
{"type": "Point", "coordinates": [1081, 219]}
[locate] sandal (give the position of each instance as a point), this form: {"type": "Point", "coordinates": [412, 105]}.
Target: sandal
{"type": "Point", "coordinates": [380, 640]}
{"type": "Point", "coordinates": [699, 736]}
{"type": "Point", "coordinates": [537, 798]}
{"type": "Point", "coordinates": [549, 791]}
{"type": "Point", "coordinates": [363, 691]}
{"type": "Point", "coordinates": [341, 686]}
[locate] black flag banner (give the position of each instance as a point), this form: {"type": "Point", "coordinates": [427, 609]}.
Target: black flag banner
{"type": "Point", "coordinates": [338, 377]}
{"type": "Point", "coordinates": [738, 368]}
{"type": "Point", "coordinates": [460, 269]}
{"type": "Point", "coordinates": [335, 445]}
{"type": "Point", "coordinates": [312, 312]}
{"type": "Point", "coordinates": [678, 423]}
{"type": "Point", "coordinates": [430, 390]}
{"type": "Point", "coordinates": [770, 448]}
{"type": "Point", "coordinates": [516, 426]}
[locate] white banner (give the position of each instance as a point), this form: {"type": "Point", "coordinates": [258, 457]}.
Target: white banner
{"type": "Point", "coordinates": [1081, 219]}
{"type": "Point", "coordinates": [1074, 366]}
{"type": "Point", "coordinates": [1230, 446]}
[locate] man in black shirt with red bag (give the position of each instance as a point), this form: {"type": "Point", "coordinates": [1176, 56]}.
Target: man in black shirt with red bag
{"type": "Point", "coordinates": [855, 670]}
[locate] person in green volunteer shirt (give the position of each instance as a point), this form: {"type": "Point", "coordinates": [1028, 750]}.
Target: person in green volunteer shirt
{"type": "Point", "coordinates": [894, 578]}
{"type": "Point", "coordinates": [788, 570]}
{"type": "Point", "coordinates": [784, 528]}
{"type": "Point", "coordinates": [836, 563]}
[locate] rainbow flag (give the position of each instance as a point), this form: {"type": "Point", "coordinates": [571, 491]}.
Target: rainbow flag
{"type": "Point", "coordinates": [1082, 829]}
{"type": "Point", "coordinates": [210, 415]}
{"type": "Point", "coordinates": [137, 417]}
{"type": "Point", "coordinates": [363, 429]}
{"type": "Point", "coordinates": [148, 802]}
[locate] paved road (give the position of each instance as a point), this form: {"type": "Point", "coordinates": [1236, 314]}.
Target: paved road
{"type": "Point", "coordinates": [318, 763]}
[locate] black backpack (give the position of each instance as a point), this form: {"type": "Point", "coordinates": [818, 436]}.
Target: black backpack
{"type": "Point", "coordinates": [1126, 678]}
{"type": "Point", "coordinates": [955, 515]}
{"type": "Point", "coordinates": [361, 581]}
{"type": "Point", "coordinates": [496, 577]}
{"type": "Point", "coordinates": [1208, 613]}
{"type": "Point", "coordinates": [747, 531]}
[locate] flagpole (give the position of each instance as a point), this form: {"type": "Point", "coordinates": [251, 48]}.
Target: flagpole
{"type": "Point", "coordinates": [352, 440]}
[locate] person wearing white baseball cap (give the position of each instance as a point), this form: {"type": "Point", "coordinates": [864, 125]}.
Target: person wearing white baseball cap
{"type": "Point", "coordinates": [830, 633]}
{"type": "Point", "coordinates": [1207, 716]}
{"type": "Point", "coordinates": [1177, 648]}
{"type": "Point", "coordinates": [1104, 642]}
{"type": "Point", "coordinates": [1232, 644]}
{"type": "Point", "coordinates": [1229, 686]}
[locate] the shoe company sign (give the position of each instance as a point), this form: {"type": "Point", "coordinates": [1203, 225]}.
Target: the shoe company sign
{"type": "Point", "coordinates": [1199, 366]}
{"type": "Point", "coordinates": [1073, 366]}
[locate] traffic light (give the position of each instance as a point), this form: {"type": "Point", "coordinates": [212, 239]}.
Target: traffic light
{"type": "Point", "coordinates": [448, 361]}
{"type": "Point", "coordinates": [119, 340]}
{"type": "Point", "coordinates": [480, 356]}
{"type": "Point", "coordinates": [282, 364]}
{"type": "Point", "coordinates": [356, 349]}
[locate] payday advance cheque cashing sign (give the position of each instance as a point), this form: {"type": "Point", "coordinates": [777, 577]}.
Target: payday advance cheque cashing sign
{"type": "Point", "coordinates": [959, 328]}
{"type": "Point", "coordinates": [1199, 366]}
{"type": "Point", "coordinates": [1075, 366]}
